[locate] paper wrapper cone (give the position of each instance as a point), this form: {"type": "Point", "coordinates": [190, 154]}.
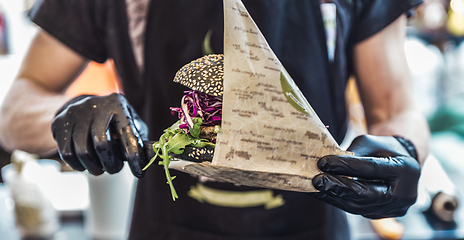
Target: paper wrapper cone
{"type": "Point", "coordinates": [270, 136]}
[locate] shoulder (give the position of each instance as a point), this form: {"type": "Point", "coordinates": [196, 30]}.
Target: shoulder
{"type": "Point", "coordinates": [82, 25]}
{"type": "Point", "coordinates": [371, 16]}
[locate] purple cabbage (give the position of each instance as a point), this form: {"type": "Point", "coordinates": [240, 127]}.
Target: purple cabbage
{"type": "Point", "coordinates": [198, 104]}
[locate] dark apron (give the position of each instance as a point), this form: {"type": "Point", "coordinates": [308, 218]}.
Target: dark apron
{"type": "Point", "coordinates": [175, 33]}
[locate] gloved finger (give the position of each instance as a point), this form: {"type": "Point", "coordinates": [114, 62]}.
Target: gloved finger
{"type": "Point", "coordinates": [62, 135]}
{"type": "Point", "coordinates": [84, 150]}
{"type": "Point", "coordinates": [131, 144]}
{"type": "Point", "coordinates": [373, 211]}
{"type": "Point", "coordinates": [385, 168]}
{"type": "Point", "coordinates": [140, 125]}
{"type": "Point", "coordinates": [352, 191]}
{"type": "Point", "coordinates": [107, 154]}
{"type": "Point", "coordinates": [376, 146]}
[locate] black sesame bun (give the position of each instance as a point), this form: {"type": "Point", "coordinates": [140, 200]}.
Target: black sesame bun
{"type": "Point", "coordinates": [194, 154]}
{"type": "Point", "coordinates": [205, 74]}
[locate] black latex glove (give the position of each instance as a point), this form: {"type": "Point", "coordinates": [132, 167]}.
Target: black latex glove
{"type": "Point", "coordinates": [379, 181]}
{"type": "Point", "coordinates": [99, 133]}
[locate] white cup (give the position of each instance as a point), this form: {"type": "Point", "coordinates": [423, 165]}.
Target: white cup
{"type": "Point", "coordinates": [111, 200]}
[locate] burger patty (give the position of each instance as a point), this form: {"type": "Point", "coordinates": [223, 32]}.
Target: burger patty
{"type": "Point", "coordinates": [207, 132]}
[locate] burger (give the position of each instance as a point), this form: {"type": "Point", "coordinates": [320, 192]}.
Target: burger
{"type": "Point", "coordinates": [193, 136]}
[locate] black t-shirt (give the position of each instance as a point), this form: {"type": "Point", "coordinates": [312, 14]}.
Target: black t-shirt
{"type": "Point", "coordinates": [149, 40]}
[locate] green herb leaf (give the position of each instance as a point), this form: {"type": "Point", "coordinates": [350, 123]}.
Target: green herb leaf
{"type": "Point", "coordinates": [195, 131]}
{"type": "Point", "coordinates": [176, 144]}
{"type": "Point", "coordinates": [202, 143]}
{"type": "Point", "coordinates": [217, 128]}
{"type": "Point", "coordinates": [174, 140]}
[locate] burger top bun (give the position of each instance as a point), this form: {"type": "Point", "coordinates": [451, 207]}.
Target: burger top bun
{"type": "Point", "coordinates": [205, 74]}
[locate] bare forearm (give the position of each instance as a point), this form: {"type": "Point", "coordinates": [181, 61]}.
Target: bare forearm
{"type": "Point", "coordinates": [27, 113]}
{"type": "Point", "coordinates": [409, 124]}
{"type": "Point", "coordinates": [385, 86]}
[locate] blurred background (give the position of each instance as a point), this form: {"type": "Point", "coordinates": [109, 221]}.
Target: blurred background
{"type": "Point", "coordinates": [435, 54]}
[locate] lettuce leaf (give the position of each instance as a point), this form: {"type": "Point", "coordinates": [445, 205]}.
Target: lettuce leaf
{"type": "Point", "coordinates": [173, 141]}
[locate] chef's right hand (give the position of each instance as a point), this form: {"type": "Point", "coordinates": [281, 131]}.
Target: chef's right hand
{"type": "Point", "coordinates": [98, 133]}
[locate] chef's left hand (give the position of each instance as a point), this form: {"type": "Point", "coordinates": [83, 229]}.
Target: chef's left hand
{"type": "Point", "coordinates": [379, 181]}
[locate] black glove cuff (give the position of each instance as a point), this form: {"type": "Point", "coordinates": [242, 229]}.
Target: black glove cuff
{"type": "Point", "coordinates": [408, 145]}
{"type": "Point", "coordinates": [78, 98]}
